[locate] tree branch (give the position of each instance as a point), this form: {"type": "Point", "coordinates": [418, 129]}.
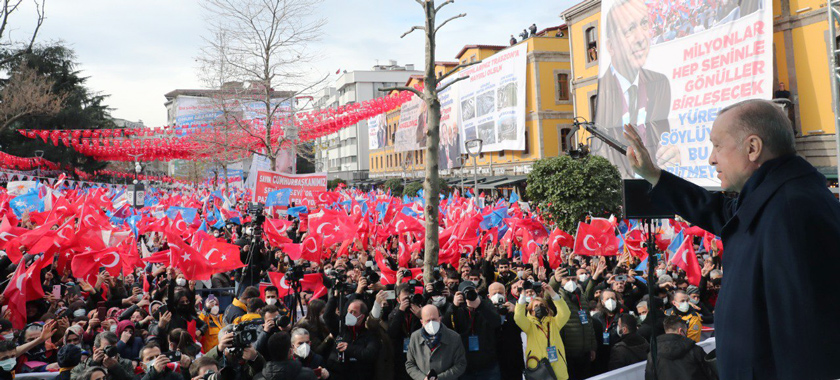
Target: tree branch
{"type": "Point", "coordinates": [413, 28]}
{"type": "Point", "coordinates": [402, 88]}
{"type": "Point", "coordinates": [41, 8]}
{"type": "Point", "coordinates": [420, 2]}
{"type": "Point", "coordinates": [453, 71]}
{"type": "Point", "coordinates": [448, 20]}
{"type": "Point", "coordinates": [444, 4]}
{"type": "Point", "coordinates": [451, 83]}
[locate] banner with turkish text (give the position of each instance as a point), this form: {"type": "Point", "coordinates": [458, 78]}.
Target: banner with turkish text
{"type": "Point", "coordinates": [303, 186]}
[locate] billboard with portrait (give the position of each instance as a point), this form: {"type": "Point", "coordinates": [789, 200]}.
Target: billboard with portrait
{"type": "Point", "coordinates": [669, 67]}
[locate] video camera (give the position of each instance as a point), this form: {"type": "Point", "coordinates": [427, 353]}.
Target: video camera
{"type": "Point", "coordinates": [296, 271]}
{"type": "Point", "coordinates": [245, 333]}
{"type": "Point", "coordinates": [257, 220]}
{"type": "Point", "coordinates": [336, 279]}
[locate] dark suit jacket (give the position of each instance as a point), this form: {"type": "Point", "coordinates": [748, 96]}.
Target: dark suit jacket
{"type": "Point", "coordinates": [776, 315]}
{"type": "Point", "coordinates": [654, 95]}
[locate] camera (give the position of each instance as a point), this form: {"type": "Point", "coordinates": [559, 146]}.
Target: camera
{"type": "Point", "coordinates": [621, 278]}
{"type": "Point", "coordinates": [246, 333]}
{"type": "Point", "coordinates": [336, 279]}
{"type": "Point", "coordinates": [437, 288]}
{"type": "Point", "coordinates": [370, 275]}
{"type": "Point", "coordinates": [501, 308]}
{"type": "Point", "coordinates": [470, 294]}
{"type": "Point", "coordinates": [406, 273]}
{"type": "Point", "coordinates": [296, 271]}
{"type": "Point", "coordinates": [174, 356]}
{"type": "Point", "coordinates": [111, 351]}
{"type": "Point", "coordinates": [283, 319]}
{"type": "Point", "coordinates": [418, 299]}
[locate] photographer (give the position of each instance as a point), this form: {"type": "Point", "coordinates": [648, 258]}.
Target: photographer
{"type": "Point", "coordinates": [508, 336]}
{"type": "Point", "coordinates": [302, 348]}
{"type": "Point", "coordinates": [356, 350]}
{"type": "Point", "coordinates": [404, 320]}
{"type": "Point", "coordinates": [476, 320]}
{"type": "Point", "coordinates": [243, 360]}
{"type": "Point", "coordinates": [270, 317]}
{"type": "Point", "coordinates": [281, 366]}
{"type": "Point", "coordinates": [105, 354]}
{"type": "Point", "coordinates": [205, 368]}
{"type": "Point", "coordinates": [157, 366]}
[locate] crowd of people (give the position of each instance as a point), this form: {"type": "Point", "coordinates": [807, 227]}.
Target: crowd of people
{"type": "Point", "coordinates": [674, 19]}
{"type": "Point", "coordinates": [359, 312]}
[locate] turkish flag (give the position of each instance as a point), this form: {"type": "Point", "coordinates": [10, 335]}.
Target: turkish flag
{"type": "Point", "coordinates": [222, 256]}
{"type": "Point", "coordinates": [294, 251]}
{"type": "Point", "coordinates": [404, 223]}
{"type": "Point", "coordinates": [179, 225]}
{"type": "Point", "coordinates": [529, 245]}
{"type": "Point", "coordinates": [556, 241]}
{"type": "Point", "coordinates": [8, 232]}
{"type": "Point", "coordinates": [686, 259]}
{"type": "Point", "coordinates": [596, 239]}
{"type": "Point", "coordinates": [389, 276]}
{"type": "Point", "coordinates": [313, 282]}
{"type": "Point", "coordinates": [633, 242]}
{"type": "Point", "coordinates": [403, 253]}
{"type": "Point", "coordinates": [275, 232]}
{"type": "Point", "coordinates": [86, 265]}
{"type": "Point", "coordinates": [310, 249]}
{"type": "Point", "coordinates": [192, 264]}
{"type": "Point", "coordinates": [15, 296]}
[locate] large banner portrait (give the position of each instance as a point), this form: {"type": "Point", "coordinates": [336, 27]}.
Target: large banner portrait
{"type": "Point", "coordinates": [669, 66]}
{"type": "Point", "coordinates": [411, 131]}
{"type": "Point", "coordinates": [376, 132]}
{"type": "Point", "coordinates": [492, 101]}
{"type": "Point", "coordinates": [450, 133]}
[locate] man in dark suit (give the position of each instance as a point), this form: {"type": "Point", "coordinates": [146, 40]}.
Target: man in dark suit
{"type": "Point", "coordinates": [628, 93]}
{"type": "Point", "coordinates": [775, 317]}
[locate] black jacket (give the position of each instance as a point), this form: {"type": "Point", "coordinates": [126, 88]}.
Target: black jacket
{"type": "Point", "coordinates": [630, 350]}
{"type": "Point", "coordinates": [361, 354]}
{"type": "Point", "coordinates": [509, 338]}
{"type": "Point", "coordinates": [400, 326]}
{"type": "Point", "coordinates": [481, 323]}
{"type": "Point", "coordinates": [678, 358]}
{"type": "Point", "coordinates": [285, 370]}
{"type": "Point", "coordinates": [781, 241]}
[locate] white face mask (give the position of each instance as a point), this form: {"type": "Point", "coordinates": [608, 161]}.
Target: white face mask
{"type": "Point", "coordinates": [520, 274]}
{"type": "Point", "coordinates": [683, 307]}
{"type": "Point", "coordinates": [497, 298]}
{"type": "Point", "coordinates": [570, 286]}
{"type": "Point", "coordinates": [113, 328]}
{"type": "Point", "coordinates": [350, 319]}
{"type": "Point", "coordinates": [181, 282]}
{"type": "Point", "coordinates": [610, 304]}
{"type": "Point", "coordinates": [271, 301]}
{"type": "Point", "coordinates": [302, 351]}
{"type": "Point", "coordinates": [694, 301]}
{"type": "Point", "coordinates": [660, 272]}
{"type": "Point", "coordinates": [583, 277]}
{"type": "Point", "coordinates": [527, 299]}
{"type": "Point", "coordinates": [642, 317]}
{"type": "Point", "coordinates": [214, 310]}
{"type": "Point", "coordinates": [432, 327]}
{"type": "Point", "coordinates": [438, 301]}
{"type": "Point", "coordinates": [8, 364]}
{"type": "Point", "coordinates": [9, 336]}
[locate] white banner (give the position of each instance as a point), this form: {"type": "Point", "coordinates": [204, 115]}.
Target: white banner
{"type": "Point", "coordinates": [411, 132]}
{"type": "Point", "coordinates": [376, 131]}
{"type": "Point", "coordinates": [450, 133]}
{"type": "Point", "coordinates": [669, 68]}
{"type": "Point", "coordinates": [492, 101]}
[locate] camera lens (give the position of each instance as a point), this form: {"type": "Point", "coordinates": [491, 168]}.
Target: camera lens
{"type": "Point", "coordinates": [471, 294]}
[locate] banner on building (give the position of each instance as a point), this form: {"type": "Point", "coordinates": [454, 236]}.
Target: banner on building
{"type": "Point", "coordinates": [669, 67]}
{"type": "Point", "coordinates": [492, 101]}
{"type": "Point", "coordinates": [376, 131]}
{"type": "Point", "coordinates": [411, 131]}
{"type": "Point", "coordinates": [303, 186]}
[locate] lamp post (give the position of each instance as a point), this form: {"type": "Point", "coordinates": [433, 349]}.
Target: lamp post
{"type": "Point", "coordinates": [39, 154]}
{"type": "Point", "coordinates": [462, 161]}
{"type": "Point", "coordinates": [406, 162]}
{"type": "Point", "coordinates": [136, 192]}
{"type": "Point", "coordinates": [474, 149]}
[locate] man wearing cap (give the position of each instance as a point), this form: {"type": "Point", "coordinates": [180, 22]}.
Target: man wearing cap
{"type": "Point", "coordinates": [69, 356]}
{"type": "Point", "coordinates": [476, 320]}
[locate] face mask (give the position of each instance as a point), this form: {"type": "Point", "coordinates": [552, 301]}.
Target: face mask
{"type": "Point", "coordinates": [271, 301]}
{"type": "Point", "coordinates": [540, 312]}
{"type": "Point", "coordinates": [181, 282]}
{"type": "Point", "coordinates": [497, 298]}
{"type": "Point", "coordinates": [432, 327]}
{"type": "Point", "coordinates": [8, 364]}
{"type": "Point", "coordinates": [79, 313]}
{"type": "Point", "coordinates": [9, 336]}
{"type": "Point", "coordinates": [520, 274]}
{"type": "Point", "coordinates": [570, 286]}
{"type": "Point", "coordinates": [438, 301]}
{"type": "Point", "coordinates": [583, 277]}
{"type": "Point", "coordinates": [694, 301]}
{"type": "Point", "coordinates": [350, 319]}
{"type": "Point", "coordinates": [610, 304]}
{"type": "Point", "coordinates": [302, 351]}
{"type": "Point", "coordinates": [528, 299]}
{"type": "Point", "coordinates": [682, 307]}
{"type": "Point", "coordinates": [214, 310]}
{"type": "Point", "coordinates": [642, 317]}
{"type": "Point", "coordinates": [113, 328]}
{"type": "Point", "coordinates": [660, 272]}
{"type": "Point", "coordinates": [216, 233]}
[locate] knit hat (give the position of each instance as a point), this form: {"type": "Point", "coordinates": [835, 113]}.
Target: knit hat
{"type": "Point", "coordinates": [692, 290]}
{"type": "Point", "coordinates": [665, 278]}
{"type": "Point", "coordinates": [70, 355]}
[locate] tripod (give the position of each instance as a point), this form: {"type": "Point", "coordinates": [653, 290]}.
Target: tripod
{"type": "Point", "coordinates": [652, 262]}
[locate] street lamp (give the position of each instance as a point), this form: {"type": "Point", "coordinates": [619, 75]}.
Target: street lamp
{"type": "Point", "coordinates": [474, 149]}
{"type": "Point", "coordinates": [136, 192]}
{"type": "Point", "coordinates": [462, 161]}
{"type": "Point", "coordinates": [39, 154]}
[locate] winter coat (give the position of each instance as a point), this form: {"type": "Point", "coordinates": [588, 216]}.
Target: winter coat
{"type": "Point", "coordinates": [678, 358]}
{"type": "Point", "coordinates": [447, 359]}
{"type": "Point", "coordinates": [285, 370]}
{"type": "Point", "coordinates": [578, 337]}
{"type": "Point", "coordinates": [630, 350]}
{"type": "Point", "coordinates": [481, 323]}
{"type": "Point", "coordinates": [782, 249]}
{"type": "Point", "coordinates": [535, 331]}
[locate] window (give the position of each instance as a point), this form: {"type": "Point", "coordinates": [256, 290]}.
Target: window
{"type": "Point", "coordinates": [501, 153]}
{"type": "Point", "coordinates": [472, 58]}
{"type": "Point", "coordinates": [591, 44]}
{"type": "Point", "coordinates": [593, 102]}
{"type": "Point", "coordinates": [527, 150]}
{"type": "Point", "coordinates": [564, 132]}
{"type": "Point", "coordinates": [563, 86]}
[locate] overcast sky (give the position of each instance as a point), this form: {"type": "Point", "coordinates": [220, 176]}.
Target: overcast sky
{"type": "Point", "coordinates": [136, 51]}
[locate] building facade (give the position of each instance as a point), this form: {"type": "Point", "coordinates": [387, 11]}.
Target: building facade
{"type": "Point", "coordinates": [345, 154]}
{"type": "Point", "coordinates": [549, 114]}
{"type": "Point", "coordinates": [800, 46]}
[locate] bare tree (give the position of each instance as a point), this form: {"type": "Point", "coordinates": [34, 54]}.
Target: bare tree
{"type": "Point", "coordinates": [9, 8]}
{"type": "Point", "coordinates": [263, 44]}
{"type": "Point", "coordinates": [27, 93]}
{"type": "Point", "coordinates": [431, 186]}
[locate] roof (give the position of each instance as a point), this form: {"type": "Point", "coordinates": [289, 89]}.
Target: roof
{"type": "Point", "coordinates": [212, 92]}
{"type": "Point", "coordinates": [443, 63]}
{"type": "Point", "coordinates": [546, 30]}
{"type": "Point", "coordinates": [490, 47]}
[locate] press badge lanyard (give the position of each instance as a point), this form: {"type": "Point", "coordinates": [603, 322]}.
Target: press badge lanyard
{"type": "Point", "coordinates": [551, 351]}
{"type": "Point", "coordinates": [472, 340]}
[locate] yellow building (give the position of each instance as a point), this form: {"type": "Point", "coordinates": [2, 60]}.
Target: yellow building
{"type": "Point", "coordinates": [549, 113]}
{"type": "Point", "coordinates": [800, 43]}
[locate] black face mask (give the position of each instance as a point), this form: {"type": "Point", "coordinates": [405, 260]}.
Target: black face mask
{"type": "Point", "coordinates": [540, 312]}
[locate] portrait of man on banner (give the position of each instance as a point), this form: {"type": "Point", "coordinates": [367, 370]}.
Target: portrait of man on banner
{"type": "Point", "coordinates": [627, 92]}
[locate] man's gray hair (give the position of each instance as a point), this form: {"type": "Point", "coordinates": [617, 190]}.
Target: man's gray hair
{"type": "Point", "coordinates": [642, 304]}
{"type": "Point", "coordinates": [107, 335]}
{"type": "Point", "coordinates": [299, 331]}
{"type": "Point", "coordinates": [766, 120]}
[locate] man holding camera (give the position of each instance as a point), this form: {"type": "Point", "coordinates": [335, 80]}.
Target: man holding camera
{"type": "Point", "coordinates": [157, 366]}
{"type": "Point", "coordinates": [476, 320]}
{"type": "Point", "coordinates": [105, 355]}
{"type": "Point", "coordinates": [281, 365]}
{"type": "Point", "coordinates": [404, 320]}
{"type": "Point", "coordinates": [356, 351]}
{"type": "Point", "coordinates": [245, 361]}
